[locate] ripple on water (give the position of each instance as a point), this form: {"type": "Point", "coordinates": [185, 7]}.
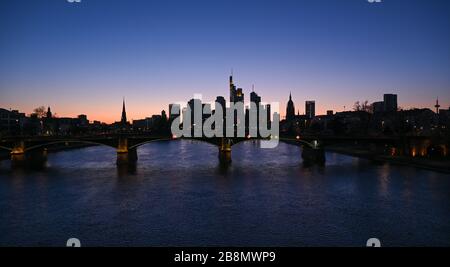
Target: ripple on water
{"type": "Point", "coordinates": [179, 194]}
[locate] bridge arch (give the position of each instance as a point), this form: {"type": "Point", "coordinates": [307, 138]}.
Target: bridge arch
{"type": "Point", "coordinates": [239, 141]}
{"type": "Point", "coordinates": [294, 142]}
{"type": "Point", "coordinates": [149, 141]}
{"type": "Point", "coordinates": [235, 141]}
{"type": "Point", "coordinates": [65, 141]}
{"type": "Point", "coordinates": [200, 140]}
{"type": "Point", "coordinates": [298, 141]}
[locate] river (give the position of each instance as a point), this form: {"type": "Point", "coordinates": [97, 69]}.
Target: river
{"type": "Point", "coordinates": [179, 195]}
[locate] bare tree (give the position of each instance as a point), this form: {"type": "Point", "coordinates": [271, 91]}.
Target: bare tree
{"type": "Point", "coordinates": [40, 112]}
{"type": "Point", "coordinates": [362, 106]}
{"type": "Point", "coordinates": [357, 106]}
{"type": "Point", "coordinates": [366, 106]}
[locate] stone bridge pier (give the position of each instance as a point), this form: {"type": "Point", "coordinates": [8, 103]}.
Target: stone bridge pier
{"type": "Point", "coordinates": [225, 151]}
{"type": "Point", "coordinates": [125, 154]}
{"type": "Point", "coordinates": [35, 158]}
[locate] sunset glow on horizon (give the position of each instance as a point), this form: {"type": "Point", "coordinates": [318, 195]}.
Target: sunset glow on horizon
{"type": "Point", "coordinates": [84, 58]}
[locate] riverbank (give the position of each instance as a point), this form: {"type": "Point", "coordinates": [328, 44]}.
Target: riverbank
{"type": "Point", "coordinates": [423, 163]}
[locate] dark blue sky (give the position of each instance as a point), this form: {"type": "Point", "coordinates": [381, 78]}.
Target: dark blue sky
{"type": "Point", "coordinates": [82, 58]}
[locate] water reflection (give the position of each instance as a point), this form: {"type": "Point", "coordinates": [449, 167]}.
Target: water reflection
{"type": "Point", "coordinates": [179, 193]}
{"type": "Point", "coordinates": [125, 170]}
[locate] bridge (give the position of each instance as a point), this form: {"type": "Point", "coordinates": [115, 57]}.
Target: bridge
{"type": "Point", "coordinates": [25, 149]}
{"type": "Point", "coordinates": [33, 149]}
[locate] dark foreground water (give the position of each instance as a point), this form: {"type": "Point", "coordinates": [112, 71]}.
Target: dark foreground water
{"type": "Point", "coordinates": [180, 196]}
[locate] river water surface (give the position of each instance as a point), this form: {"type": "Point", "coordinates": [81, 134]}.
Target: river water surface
{"type": "Point", "coordinates": [179, 195]}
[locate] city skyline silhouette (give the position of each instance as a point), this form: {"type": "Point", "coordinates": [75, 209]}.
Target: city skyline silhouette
{"type": "Point", "coordinates": [225, 131]}
{"type": "Point", "coordinates": [84, 57]}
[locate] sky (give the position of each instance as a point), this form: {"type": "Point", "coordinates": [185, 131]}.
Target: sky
{"type": "Point", "coordinates": [83, 58]}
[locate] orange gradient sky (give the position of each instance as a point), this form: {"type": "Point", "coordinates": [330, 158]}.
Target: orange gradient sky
{"type": "Point", "coordinates": [84, 58]}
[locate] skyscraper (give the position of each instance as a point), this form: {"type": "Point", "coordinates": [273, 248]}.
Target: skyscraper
{"type": "Point", "coordinates": [290, 109]}
{"type": "Point", "coordinates": [236, 95]}
{"type": "Point", "coordinates": [310, 109]}
{"type": "Point", "coordinates": [239, 97]}
{"type": "Point", "coordinates": [269, 113]}
{"type": "Point", "coordinates": [255, 98]}
{"type": "Point", "coordinates": [232, 89]}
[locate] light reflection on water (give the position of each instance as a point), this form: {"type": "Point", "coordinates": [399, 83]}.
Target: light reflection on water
{"type": "Point", "coordinates": [179, 195]}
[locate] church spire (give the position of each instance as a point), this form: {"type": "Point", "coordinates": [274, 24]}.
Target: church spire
{"type": "Point", "coordinates": [124, 113]}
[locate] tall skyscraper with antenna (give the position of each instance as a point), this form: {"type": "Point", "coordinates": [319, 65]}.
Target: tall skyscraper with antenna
{"type": "Point", "coordinates": [236, 94]}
